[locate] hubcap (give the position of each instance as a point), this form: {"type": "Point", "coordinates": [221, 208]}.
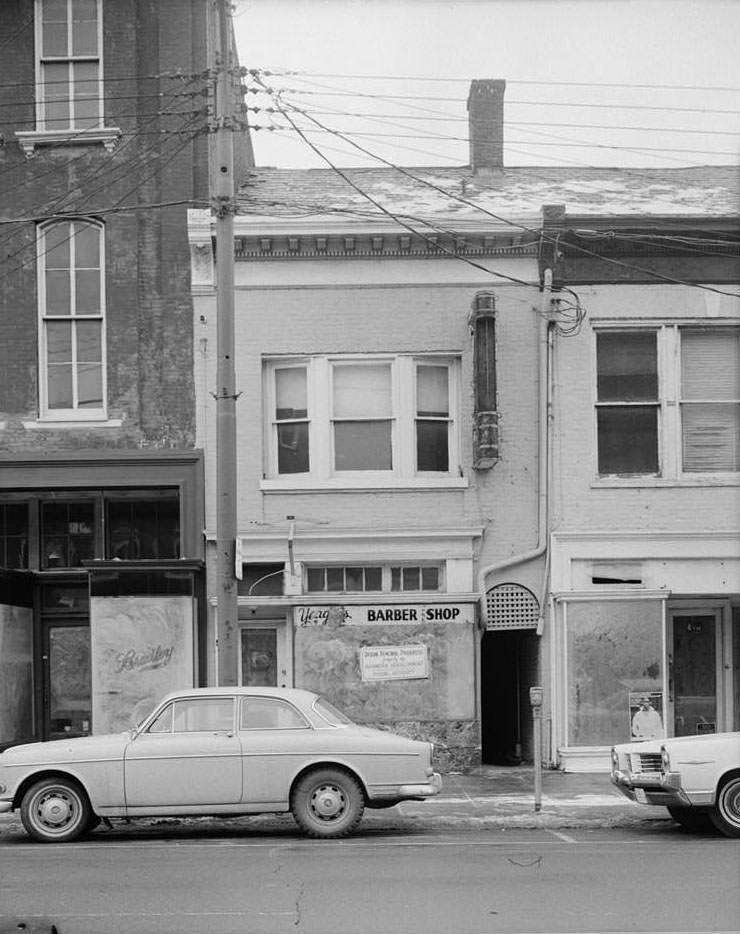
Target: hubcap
{"type": "Point", "coordinates": [55, 810]}
{"type": "Point", "coordinates": [327, 802]}
{"type": "Point", "coordinates": [731, 800]}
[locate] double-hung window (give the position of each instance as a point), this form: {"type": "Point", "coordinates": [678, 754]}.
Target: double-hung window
{"type": "Point", "coordinates": [357, 419]}
{"type": "Point", "coordinates": [69, 39]}
{"type": "Point", "coordinates": [668, 401]}
{"type": "Point", "coordinates": [71, 310]}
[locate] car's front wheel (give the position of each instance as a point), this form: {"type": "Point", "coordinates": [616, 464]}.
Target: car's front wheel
{"type": "Point", "coordinates": [327, 803]}
{"type": "Point", "coordinates": [55, 810]}
{"type": "Point", "coordinates": [725, 815]}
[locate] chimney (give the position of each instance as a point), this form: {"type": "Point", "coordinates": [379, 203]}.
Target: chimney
{"type": "Point", "coordinates": [486, 125]}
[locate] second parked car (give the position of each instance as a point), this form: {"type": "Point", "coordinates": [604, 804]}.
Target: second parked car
{"type": "Point", "coordinates": [696, 777]}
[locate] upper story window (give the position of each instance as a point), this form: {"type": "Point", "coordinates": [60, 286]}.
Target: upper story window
{"type": "Point", "coordinates": [362, 419]}
{"type": "Point", "coordinates": [69, 39]}
{"type": "Point", "coordinates": [668, 401]}
{"type": "Point", "coordinates": [71, 310]}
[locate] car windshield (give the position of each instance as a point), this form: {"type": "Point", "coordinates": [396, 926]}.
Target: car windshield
{"type": "Point", "coordinates": [330, 713]}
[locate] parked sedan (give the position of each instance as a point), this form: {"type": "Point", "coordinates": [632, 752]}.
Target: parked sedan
{"type": "Point", "coordinates": [696, 777]}
{"type": "Point", "coordinates": [219, 751]}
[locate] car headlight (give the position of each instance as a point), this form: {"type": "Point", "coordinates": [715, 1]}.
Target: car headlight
{"type": "Point", "coordinates": [665, 759]}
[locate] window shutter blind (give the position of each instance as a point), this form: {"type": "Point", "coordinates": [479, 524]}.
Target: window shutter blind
{"type": "Point", "coordinates": [710, 374]}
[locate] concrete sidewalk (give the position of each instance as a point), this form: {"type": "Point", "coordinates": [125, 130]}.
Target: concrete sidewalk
{"type": "Point", "coordinates": [489, 797]}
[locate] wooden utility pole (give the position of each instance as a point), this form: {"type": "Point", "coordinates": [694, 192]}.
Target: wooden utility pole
{"type": "Point", "coordinates": [224, 207]}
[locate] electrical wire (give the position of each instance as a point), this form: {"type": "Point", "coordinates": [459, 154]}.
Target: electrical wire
{"type": "Point", "coordinates": [497, 217]}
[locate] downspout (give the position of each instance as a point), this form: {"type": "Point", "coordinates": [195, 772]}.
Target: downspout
{"type": "Point", "coordinates": [544, 350]}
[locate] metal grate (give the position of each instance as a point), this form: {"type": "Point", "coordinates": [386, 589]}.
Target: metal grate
{"type": "Point", "coordinates": [511, 606]}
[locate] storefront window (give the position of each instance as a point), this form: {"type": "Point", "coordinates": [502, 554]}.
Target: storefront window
{"type": "Point", "coordinates": [614, 656]}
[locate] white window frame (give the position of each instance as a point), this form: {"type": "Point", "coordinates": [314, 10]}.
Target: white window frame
{"type": "Point", "coordinates": [75, 413]}
{"type": "Point", "coordinates": [670, 435]}
{"type": "Point", "coordinates": [72, 133]}
{"type": "Point", "coordinates": [321, 474]}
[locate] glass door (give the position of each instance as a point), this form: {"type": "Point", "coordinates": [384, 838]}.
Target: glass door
{"type": "Point", "coordinates": [695, 650]}
{"type": "Point", "coordinates": [263, 654]}
{"type": "Point", "coordinates": [67, 707]}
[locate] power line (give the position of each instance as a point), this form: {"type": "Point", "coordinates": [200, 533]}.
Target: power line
{"type": "Point", "coordinates": [483, 210]}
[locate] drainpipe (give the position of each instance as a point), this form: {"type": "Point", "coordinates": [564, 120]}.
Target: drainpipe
{"type": "Point", "coordinates": [544, 348]}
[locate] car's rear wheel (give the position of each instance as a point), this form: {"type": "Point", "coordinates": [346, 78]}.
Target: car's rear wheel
{"type": "Point", "coordinates": [55, 810]}
{"type": "Point", "coordinates": [327, 803]}
{"type": "Point", "coordinates": [690, 818]}
{"type": "Point", "coordinates": [725, 815]}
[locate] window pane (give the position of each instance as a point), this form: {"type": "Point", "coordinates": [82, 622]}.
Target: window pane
{"type": "Point", "coordinates": [711, 437]}
{"type": "Point", "coordinates": [373, 578]}
{"type": "Point", "coordinates": [432, 391]}
{"type": "Point", "coordinates": [84, 27]}
{"type": "Point", "coordinates": [628, 440]}
{"type": "Point", "coordinates": [430, 578]}
{"type": "Point", "coordinates": [627, 366]}
{"type": "Point", "coordinates": [710, 364]}
{"type": "Point", "coordinates": [85, 90]}
{"type": "Point", "coordinates": [87, 246]}
{"type": "Point", "coordinates": [89, 345]}
{"type": "Point", "coordinates": [362, 391]}
{"type": "Point", "coordinates": [395, 579]}
{"type": "Point", "coordinates": [60, 387]}
{"type": "Point", "coordinates": [292, 441]}
{"type": "Point", "coordinates": [335, 579]}
{"type": "Point", "coordinates": [290, 393]}
{"type": "Point", "coordinates": [362, 446]}
{"type": "Point", "coordinates": [432, 449]}
{"type": "Point", "coordinates": [90, 386]}
{"type": "Point", "coordinates": [204, 714]}
{"type": "Point", "coordinates": [56, 246]}
{"type": "Point", "coordinates": [14, 535]}
{"type": "Point", "coordinates": [58, 298]}
{"type": "Point", "coordinates": [411, 578]}
{"type": "Point", "coordinates": [315, 579]}
{"type": "Point", "coordinates": [58, 341]}
{"type": "Point", "coordinates": [56, 96]}
{"type": "Point", "coordinates": [354, 579]}
{"type": "Point", "coordinates": [54, 28]}
{"type": "Point", "coordinates": [87, 292]}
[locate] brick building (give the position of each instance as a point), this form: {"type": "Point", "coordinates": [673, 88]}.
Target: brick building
{"type": "Point", "coordinates": [104, 147]}
{"type": "Point", "coordinates": [417, 411]}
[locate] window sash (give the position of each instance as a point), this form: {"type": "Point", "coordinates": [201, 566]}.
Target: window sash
{"type": "Point", "coordinates": [72, 323]}
{"type": "Point", "coordinates": [69, 40]}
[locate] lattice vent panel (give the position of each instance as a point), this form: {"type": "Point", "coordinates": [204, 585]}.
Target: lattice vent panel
{"type": "Point", "coordinates": [511, 606]}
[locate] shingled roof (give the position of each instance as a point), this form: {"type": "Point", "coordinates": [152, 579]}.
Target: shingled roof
{"type": "Point", "coordinates": [459, 193]}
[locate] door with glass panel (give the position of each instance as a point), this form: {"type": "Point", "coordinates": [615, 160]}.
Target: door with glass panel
{"type": "Point", "coordinates": [67, 700]}
{"type": "Point", "coordinates": [695, 672]}
{"type": "Point", "coordinates": [263, 654]}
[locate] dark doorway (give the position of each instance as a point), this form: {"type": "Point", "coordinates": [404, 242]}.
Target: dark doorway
{"type": "Point", "coordinates": [509, 667]}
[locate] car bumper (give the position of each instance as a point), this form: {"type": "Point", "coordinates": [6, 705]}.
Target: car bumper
{"type": "Point", "coordinates": [6, 807]}
{"type": "Point", "coordinates": [423, 790]}
{"type": "Point", "coordinates": [651, 788]}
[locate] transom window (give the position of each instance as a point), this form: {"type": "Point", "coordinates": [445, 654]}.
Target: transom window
{"type": "Point", "coordinates": [362, 417]}
{"type": "Point", "coordinates": [377, 578]}
{"type": "Point", "coordinates": [69, 53]}
{"type": "Point", "coordinates": [668, 401]}
{"type": "Point", "coordinates": [71, 333]}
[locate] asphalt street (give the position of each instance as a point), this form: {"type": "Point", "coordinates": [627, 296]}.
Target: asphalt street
{"type": "Point", "coordinates": [652, 878]}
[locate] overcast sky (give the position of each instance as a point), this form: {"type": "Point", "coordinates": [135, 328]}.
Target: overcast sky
{"type": "Point", "coordinates": [391, 77]}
